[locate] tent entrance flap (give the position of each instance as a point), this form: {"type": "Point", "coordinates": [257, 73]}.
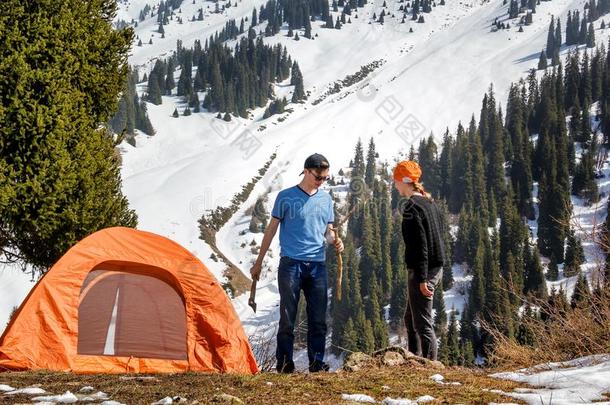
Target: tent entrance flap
{"type": "Point", "coordinates": [123, 313]}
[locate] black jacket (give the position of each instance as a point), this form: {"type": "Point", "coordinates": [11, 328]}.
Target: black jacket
{"type": "Point", "coordinates": [422, 229]}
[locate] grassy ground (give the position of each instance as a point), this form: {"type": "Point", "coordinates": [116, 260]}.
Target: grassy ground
{"type": "Point", "coordinates": [270, 388]}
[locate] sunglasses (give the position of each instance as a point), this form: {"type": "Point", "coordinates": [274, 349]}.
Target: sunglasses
{"type": "Point", "coordinates": [319, 178]}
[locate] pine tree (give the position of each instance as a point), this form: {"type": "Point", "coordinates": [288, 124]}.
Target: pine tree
{"type": "Point", "coordinates": [154, 92]}
{"type": "Point", "coordinates": [59, 171]}
{"type": "Point", "coordinates": [398, 299]}
{"type": "Point", "coordinates": [583, 33]}
{"type": "Point", "coordinates": [370, 169]}
{"type": "Point", "coordinates": [525, 335]}
{"type": "Point", "coordinates": [542, 62]}
{"type": "Point", "coordinates": [534, 281]}
{"type": "Point", "coordinates": [254, 19]}
{"type": "Point", "coordinates": [142, 122]}
{"type": "Point", "coordinates": [557, 40]}
{"type": "Point", "coordinates": [591, 36]}
{"type": "Point", "coordinates": [582, 293]}
{"type": "Point", "coordinates": [440, 319]}
{"type": "Point", "coordinates": [552, 272]}
{"type": "Point", "coordinates": [574, 255]}
{"type": "Point", "coordinates": [446, 167]}
{"type": "Point", "coordinates": [513, 9]}
{"type": "Point", "coordinates": [453, 347]}
{"type": "Point", "coordinates": [550, 40]}
{"type": "Point", "coordinates": [296, 80]}
{"type": "Point", "coordinates": [338, 24]}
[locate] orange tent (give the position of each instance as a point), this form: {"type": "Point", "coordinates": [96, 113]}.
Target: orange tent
{"type": "Point", "coordinates": [127, 301]}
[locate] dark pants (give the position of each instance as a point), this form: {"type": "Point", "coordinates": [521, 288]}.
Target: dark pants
{"type": "Point", "coordinates": [311, 277]}
{"type": "Point", "coordinates": [421, 339]}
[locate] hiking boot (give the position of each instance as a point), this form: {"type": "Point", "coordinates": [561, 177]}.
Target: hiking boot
{"type": "Point", "coordinates": [286, 367]}
{"type": "Point", "coordinates": [318, 366]}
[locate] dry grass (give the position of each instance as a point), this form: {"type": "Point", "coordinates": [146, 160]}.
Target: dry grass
{"type": "Point", "coordinates": [270, 388]}
{"type": "Point", "coordinates": [565, 335]}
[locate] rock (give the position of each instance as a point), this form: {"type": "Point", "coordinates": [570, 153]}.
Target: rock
{"type": "Point", "coordinates": [356, 361]}
{"type": "Point", "coordinates": [406, 355]}
{"type": "Point", "coordinates": [227, 399]}
{"type": "Point", "coordinates": [392, 359]}
{"type": "Point", "coordinates": [398, 349]}
{"type": "Point", "coordinates": [436, 364]}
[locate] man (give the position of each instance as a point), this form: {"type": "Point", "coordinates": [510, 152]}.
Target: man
{"type": "Point", "coordinates": [305, 216]}
{"type": "Point", "coordinates": [422, 228]}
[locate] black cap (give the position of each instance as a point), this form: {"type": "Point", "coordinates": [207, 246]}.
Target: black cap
{"type": "Point", "coordinates": [316, 161]}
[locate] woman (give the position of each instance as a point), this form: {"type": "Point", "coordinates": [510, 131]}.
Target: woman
{"type": "Point", "coordinates": [421, 231]}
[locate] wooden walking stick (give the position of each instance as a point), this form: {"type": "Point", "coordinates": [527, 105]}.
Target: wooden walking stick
{"type": "Point", "coordinates": [339, 267]}
{"type": "Point", "coordinates": [339, 257]}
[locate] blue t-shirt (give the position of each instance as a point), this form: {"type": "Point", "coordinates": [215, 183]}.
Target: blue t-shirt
{"type": "Point", "coordinates": [303, 222]}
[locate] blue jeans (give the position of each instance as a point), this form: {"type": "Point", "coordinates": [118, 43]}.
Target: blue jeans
{"type": "Point", "coordinates": [311, 277]}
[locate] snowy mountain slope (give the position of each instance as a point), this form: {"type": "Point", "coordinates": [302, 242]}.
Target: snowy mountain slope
{"type": "Point", "coordinates": [434, 76]}
{"type": "Point", "coordinates": [187, 32]}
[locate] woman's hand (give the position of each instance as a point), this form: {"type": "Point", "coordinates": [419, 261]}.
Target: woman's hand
{"type": "Point", "coordinates": [423, 287]}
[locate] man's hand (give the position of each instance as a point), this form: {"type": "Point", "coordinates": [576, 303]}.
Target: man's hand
{"type": "Point", "coordinates": [339, 245]}
{"type": "Point", "coordinates": [255, 271]}
{"type": "Point", "coordinates": [423, 287]}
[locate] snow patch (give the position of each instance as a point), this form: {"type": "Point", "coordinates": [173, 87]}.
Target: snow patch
{"type": "Point", "coordinates": [357, 398]}
{"type": "Point", "coordinates": [584, 380]}
{"type": "Point", "coordinates": [398, 401]}
{"type": "Point", "coordinates": [65, 398]}
{"type": "Point", "coordinates": [27, 391]}
{"type": "Point", "coordinates": [437, 377]}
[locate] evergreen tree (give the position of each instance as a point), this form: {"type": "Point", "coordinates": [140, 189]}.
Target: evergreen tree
{"type": "Point", "coordinates": [370, 169]}
{"type": "Point", "coordinates": [154, 92]}
{"type": "Point", "coordinates": [582, 293]}
{"type": "Point", "coordinates": [557, 40]}
{"type": "Point", "coordinates": [575, 255]}
{"type": "Point", "coordinates": [296, 80]}
{"type": "Point", "coordinates": [542, 62]}
{"type": "Point", "coordinates": [59, 172]}
{"type": "Point", "coordinates": [534, 280]}
{"type": "Point", "coordinates": [583, 33]}
{"type": "Point", "coordinates": [398, 299]}
{"type": "Point", "coordinates": [591, 36]}
{"type": "Point", "coordinates": [452, 345]}
{"type": "Point", "coordinates": [552, 272]}
{"type": "Point", "coordinates": [525, 335]}
{"type": "Point", "coordinates": [440, 318]}
{"type": "Point", "coordinates": [513, 9]}
{"type": "Point", "coordinates": [550, 40]}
